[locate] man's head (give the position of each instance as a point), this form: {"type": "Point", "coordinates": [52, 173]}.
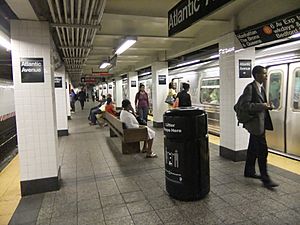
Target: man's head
{"type": "Point", "coordinates": [260, 74]}
{"type": "Point", "coordinates": [109, 96]}
{"type": "Point", "coordinates": [103, 96]}
{"type": "Point", "coordinates": [126, 104]}
{"type": "Point", "coordinates": [171, 86]}
{"type": "Point", "coordinates": [186, 86]}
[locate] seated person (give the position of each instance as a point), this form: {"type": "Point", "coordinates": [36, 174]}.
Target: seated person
{"type": "Point", "coordinates": [109, 107]}
{"type": "Point", "coordinates": [130, 121]}
{"type": "Point", "coordinates": [98, 110]}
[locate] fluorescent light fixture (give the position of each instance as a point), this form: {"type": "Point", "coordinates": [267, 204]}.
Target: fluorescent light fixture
{"type": "Point", "coordinates": [188, 63]}
{"type": "Point", "coordinates": [214, 56]}
{"type": "Point", "coordinates": [295, 35]}
{"type": "Point", "coordinates": [125, 45]}
{"type": "Point", "coordinates": [5, 41]}
{"type": "Point", "coordinates": [145, 73]}
{"type": "Point", "coordinates": [104, 65]}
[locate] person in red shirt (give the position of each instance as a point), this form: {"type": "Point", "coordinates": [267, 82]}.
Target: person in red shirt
{"type": "Point", "coordinates": [109, 107]}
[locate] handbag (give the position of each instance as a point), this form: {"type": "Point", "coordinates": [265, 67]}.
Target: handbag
{"type": "Point", "coordinates": [170, 100]}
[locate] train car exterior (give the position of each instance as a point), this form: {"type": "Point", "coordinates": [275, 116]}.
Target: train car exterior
{"type": "Point", "coordinates": [8, 138]}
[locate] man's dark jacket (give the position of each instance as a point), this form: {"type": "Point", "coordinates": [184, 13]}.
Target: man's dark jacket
{"type": "Point", "coordinates": [254, 104]}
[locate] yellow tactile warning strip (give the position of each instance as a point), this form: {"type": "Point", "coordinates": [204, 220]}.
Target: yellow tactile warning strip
{"type": "Point", "coordinates": [10, 193]}
{"type": "Point", "coordinates": [284, 163]}
{"type": "Point", "coordinates": [273, 159]}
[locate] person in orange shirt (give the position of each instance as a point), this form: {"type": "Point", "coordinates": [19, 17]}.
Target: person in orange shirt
{"type": "Point", "coordinates": [109, 107]}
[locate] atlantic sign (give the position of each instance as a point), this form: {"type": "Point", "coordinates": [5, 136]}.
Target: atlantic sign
{"type": "Point", "coordinates": [187, 12]}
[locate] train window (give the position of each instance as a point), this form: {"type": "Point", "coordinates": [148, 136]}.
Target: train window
{"type": "Point", "coordinates": [275, 89]}
{"type": "Point", "coordinates": [210, 91]}
{"type": "Point", "coordinates": [296, 91]}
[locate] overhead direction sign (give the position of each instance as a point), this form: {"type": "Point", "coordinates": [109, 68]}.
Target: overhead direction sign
{"type": "Point", "coordinates": [277, 28]}
{"type": "Point", "coordinates": [187, 12]}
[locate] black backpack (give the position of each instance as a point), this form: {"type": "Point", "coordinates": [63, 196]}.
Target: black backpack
{"type": "Point", "coordinates": [243, 116]}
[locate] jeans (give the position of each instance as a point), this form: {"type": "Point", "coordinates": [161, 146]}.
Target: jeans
{"type": "Point", "coordinates": [93, 114]}
{"type": "Point", "coordinates": [143, 113]}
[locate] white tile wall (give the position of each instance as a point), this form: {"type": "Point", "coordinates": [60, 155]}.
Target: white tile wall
{"type": "Point", "coordinates": [68, 96]}
{"type": "Point", "coordinates": [61, 101]}
{"type": "Point", "coordinates": [34, 102]}
{"type": "Point", "coordinates": [159, 92]}
{"type": "Point", "coordinates": [231, 86]}
{"type": "Point", "coordinates": [119, 94]}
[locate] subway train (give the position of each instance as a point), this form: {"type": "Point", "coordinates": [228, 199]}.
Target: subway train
{"type": "Point", "coordinates": [282, 88]}
{"type": "Point", "coordinates": [8, 137]}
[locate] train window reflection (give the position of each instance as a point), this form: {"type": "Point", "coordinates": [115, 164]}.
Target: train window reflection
{"type": "Point", "coordinates": [275, 89]}
{"type": "Point", "coordinates": [210, 91]}
{"type": "Point", "coordinates": [296, 94]}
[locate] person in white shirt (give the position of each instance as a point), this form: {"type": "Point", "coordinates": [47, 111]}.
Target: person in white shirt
{"type": "Point", "coordinates": [130, 121]}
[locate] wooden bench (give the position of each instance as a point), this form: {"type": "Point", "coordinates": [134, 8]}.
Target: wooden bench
{"type": "Point", "coordinates": [130, 137]}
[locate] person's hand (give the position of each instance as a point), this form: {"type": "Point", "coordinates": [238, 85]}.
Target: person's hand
{"type": "Point", "coordinates": [269, 106]}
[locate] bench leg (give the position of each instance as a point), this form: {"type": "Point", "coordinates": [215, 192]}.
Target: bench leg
{"type": "Point", "coordinates": [128, 148]}
{"type": "Point", "coordinates": [112, 133]}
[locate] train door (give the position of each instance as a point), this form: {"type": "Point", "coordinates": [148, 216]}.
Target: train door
{"type": "Point", "coordinates": [276, 89]}
{"type": "Point", "coordinates": [293, 111]}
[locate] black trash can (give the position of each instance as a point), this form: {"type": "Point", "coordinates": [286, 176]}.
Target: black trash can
{"type": "Point", "coordinates": [186, 153]}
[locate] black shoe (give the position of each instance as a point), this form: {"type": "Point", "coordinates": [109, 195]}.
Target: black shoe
{"type": "Point", "coordinates": [270, 184]}
{"type": "Point", "coordinates": [255, 176]}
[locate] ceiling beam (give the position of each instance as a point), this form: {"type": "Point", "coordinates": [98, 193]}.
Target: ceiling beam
{"type": "Point", "coordinates": [65, 25]}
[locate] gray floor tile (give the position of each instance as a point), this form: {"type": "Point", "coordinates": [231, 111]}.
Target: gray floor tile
{"type": "Point", "coordinates": [90, 217]}
{"type": "Point", "coordinates": [113, 212]}
{"type": "Point", "coordinates": [87, 205]}
{"type": "Point", "coordinates": [139, 207]}
{"type": "Point", "coordinates": [162, 202]}
{"type": "Point", "coordinates": [133, 196]}
{"type": "Point", "coordinates": [120, 221]}
{"type": "Point", "coordinates": [229, 215]}
{"type": "Point", "coordinates": [170, 215]}
{"type": "Point", "coordinates": [112, 200]}
{"type": "Point", "coordinates": [149, 218]}
{"type": "Point", "coordinates": [64, 220]}
{"type": "Point", "coordinates": [270, 220]}
{"type": "Point", "coordinates": [43, 222]}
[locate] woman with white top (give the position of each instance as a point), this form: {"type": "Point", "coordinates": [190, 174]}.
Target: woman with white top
{"type": "Point", "coordinates": [130, 121]}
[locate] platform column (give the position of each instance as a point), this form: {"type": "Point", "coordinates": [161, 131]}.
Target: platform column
{"type": "Point", "coordinates": [119, 92]}
{"type": "Point", "coordinates": [233, 138]}
{"type": "Point", "coordinates": [159, 91]}
{"type": "Point", "coordinates": [35, 106]}
{"type": "Point", "coordinates": [68, 96]}
{"type": "Point", "coordinates": [133, 87]}
{"type": "Point", "coordinates": [61, 101]}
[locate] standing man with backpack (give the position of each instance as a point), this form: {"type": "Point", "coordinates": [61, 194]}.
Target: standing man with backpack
{"type": "Point", "coordinates": [254, 102]}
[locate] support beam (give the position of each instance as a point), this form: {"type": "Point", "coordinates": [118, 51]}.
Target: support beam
{"type": "Point", "coordinates": [65, 25]}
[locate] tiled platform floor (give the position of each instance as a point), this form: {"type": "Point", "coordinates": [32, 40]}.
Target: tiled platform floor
{"type": "Point", "coordinates": [102, 186]}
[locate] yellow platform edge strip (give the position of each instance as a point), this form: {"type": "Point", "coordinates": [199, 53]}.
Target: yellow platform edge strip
{"type": "Point", "coordinates": [10, 193]}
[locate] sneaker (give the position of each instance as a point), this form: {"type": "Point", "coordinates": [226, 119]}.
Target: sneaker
{"type": "Point", "coordinates": [152, 155]}
{"type": "Point", "coordinates": [92, 124]}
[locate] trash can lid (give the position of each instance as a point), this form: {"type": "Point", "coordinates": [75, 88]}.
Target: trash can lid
{"type": "Point", "coordinates": [185, 111]}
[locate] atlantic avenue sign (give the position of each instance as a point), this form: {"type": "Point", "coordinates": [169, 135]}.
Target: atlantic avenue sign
{"type": "Point", "coordinates": [187, 12]}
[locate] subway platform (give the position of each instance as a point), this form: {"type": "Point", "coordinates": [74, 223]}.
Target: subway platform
{"type": "Point", "coordinates": [101, 186]}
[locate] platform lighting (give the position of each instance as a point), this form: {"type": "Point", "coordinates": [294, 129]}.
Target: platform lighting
{"type": "Point", "coordinates": [104, 65]}
{"type": "Point", "coordinates": [214, 56]}
{"type": "Point", "coordinates": [188, 63]}
{"type": "Point", "coordinates": [5, 41]}
{"type": "Point", "coordinates": [128, 42]}
{"type": "Point", "coordinates": [145, 73]}
{"type": "Point", "coordinates": [295, 35]}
